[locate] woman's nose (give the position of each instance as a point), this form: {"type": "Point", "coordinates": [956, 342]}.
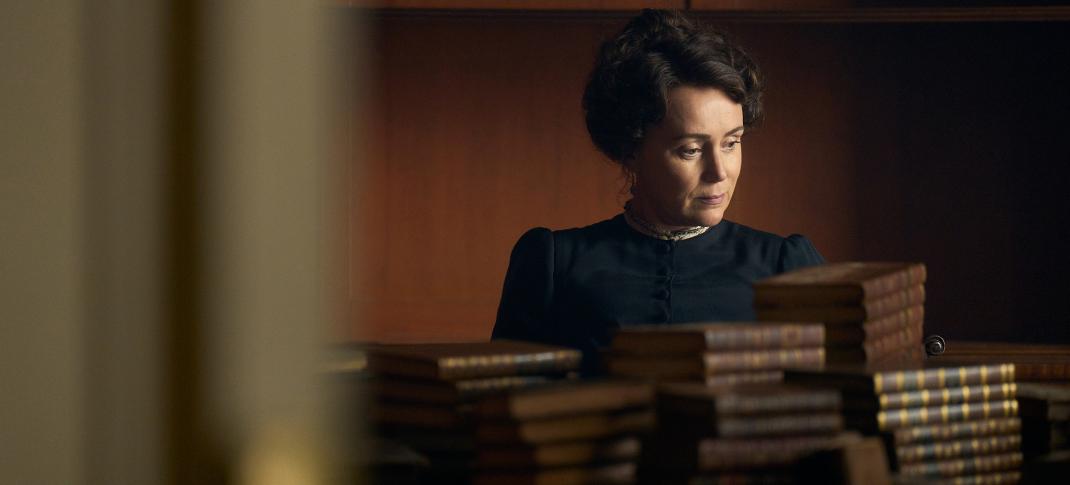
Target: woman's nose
{"type": "Point", "coordinates": [714, 168]}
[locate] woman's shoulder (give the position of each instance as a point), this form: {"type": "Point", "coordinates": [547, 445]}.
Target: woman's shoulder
{"type": "Point", "coordinates": [788, 252]}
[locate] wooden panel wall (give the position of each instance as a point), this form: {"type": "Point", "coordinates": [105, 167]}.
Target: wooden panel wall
{"type": "Point", "coordinates": [476, 134]}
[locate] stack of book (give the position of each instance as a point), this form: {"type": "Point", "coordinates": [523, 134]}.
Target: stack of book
{"type": "Point", "coordinates": [956, 424]}
{"type": "Point", "coordinates": [423, 394]}
{"type": "Point", "coordinates": [1032, 362]}
{"type": "Point", "coordinates": [873, 312]}
{"type": "Point", "coordinates": [750, 433]}
{"type": "Point", "coordinates": [572, 433]}
{"type": "Point", "coordinates": [716, 353]}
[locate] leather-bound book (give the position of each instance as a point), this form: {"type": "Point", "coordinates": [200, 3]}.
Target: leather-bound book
{"type": "Point", "coordinates": [724, 454]}
{"type": "Point", "coordinates": [449, 392]}
{"type": "Point", "coordinates": [862, 379]}
{"type": "Point", "coordinates": [877, 349]}
{"type": "Point", "coordinates": [701, 337]}
{"type": "Point", "coordinates": [878, 307]}
{"type": "Point", "coordinates": [867, 421]}
{"type": "Point", "coordinates": [711, 363]}
{"type": "Point", "coordinates": [963, 466]}
{"type": "Point", "coordinates": [471, 360]}
{"type": "Point", "coordinates": [955, 431]}
{"type": "Point", "coordinates": [607, 474]}
{"type": "Point", "coordinates": [837, 284]}
{"type": "Point", "coordinates": [699, 402]}
{"type": "Point", "coordinates": [964, 448]}
{"type": "Point", "coordinates": [565, 399]}
{"type": "Point", "coordinates": [559, 454]}
{"type": "Point", "coordinates": [442, 417]}
{"type": "Point", "coordinates": [870, 330]}
{"type": "Point", "coordinates": [569, 428]}
{"type": "Point", "coordinates": [931, 397]}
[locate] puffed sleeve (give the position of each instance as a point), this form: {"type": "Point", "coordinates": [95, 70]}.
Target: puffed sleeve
{"type": "Point", "coordinates": [528, 290]}
{"type": "Point", "coordinates": [797, 252]}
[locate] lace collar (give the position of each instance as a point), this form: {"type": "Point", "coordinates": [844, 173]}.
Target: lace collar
{"type": "Point", "coordinates": [659, 232]}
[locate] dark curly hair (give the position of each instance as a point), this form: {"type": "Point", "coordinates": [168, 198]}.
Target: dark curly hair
{"type": "Point", "coordinates": [657, 51]}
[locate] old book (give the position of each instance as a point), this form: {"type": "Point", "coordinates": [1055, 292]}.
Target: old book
{"type": "Point", "coordinates": [867, 310]}
{"type": "Point", "coordinates": [419, 415]}
{"type": "Point", "coordinates": [1033, 362]}
{"type": "Point", "coordinates": [859, 379]}
{"type": "Point", "coordinates": [963, 466]}
{"type": "Point", "coordinates": [616, 473]}
{"type": "Point", "coordinates": [955, 431]}
{"type": "Point", "coordinates": [568, 428]}
{"type": "Point", "coordinates": [877, 349]}
{"type": "Point", "coordinates": [931, 397]}
{"type": "Point", "coordinates": [449, 392]}
{"type": "Point", "coordinates": [997, 478]}
{"type": "Point", "coordinates": [837, 284]}
{"type": "Point", "coordinates": [898, 418]}
{"type": "Point", "coordinates": [716, 454]}
{"type": "Point", "coordinates": [559, 454]}
{"type": "Point", "coordinates": [796, 424]}
{"type": "Point", "coordinates": [701, 337]}
{"type": "Point", "coordinates": [566, 399]}
{"type": "Point", "coordinates": [710, 363]}
{"type": "Point", "coordinates": [737, 378]}
{"type": "Point", "coordinates": [471, 360]}
{"type": "Point", "coordinates": [869, 330]}
{"type": "Point", "coordinates": [970, 447]}
{"type": "Point", "coordinates": [699, 402]}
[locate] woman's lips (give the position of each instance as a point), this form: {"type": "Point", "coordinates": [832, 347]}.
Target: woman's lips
{"type": "Point", "coordinates": [712, 200]}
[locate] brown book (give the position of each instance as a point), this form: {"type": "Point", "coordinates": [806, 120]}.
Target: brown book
{"type": "Point", "coordinates": [566, 399]}
{"type": "Point", "coordinates": [568, 428]}
{"type": "Point", "coordinates": [869, 330]}
{"type": "Point", "coordinates": [878, 349]}
{"type": "Point", "coordinates": [946, 450]}
{"type": "Point", "coordinates": [837, 284]}
{"type": "Point", "coordinates": [867, 310]}
{"type": "Point", "coordinates": [710, 363]}
{"type": "Point", "coordinates": [737, 378]}
{"type": "Point", "coordinates": [699, 402]}
{"type": "Point", "coordinates": [796, 424]}
{"type": "Point", "coordinates": [449, 392]}
{"type": "Point", "coordinates": [899, 418]}
{"type": "Point", "coordinates": [716, 454]}
{"type": "Point", "coordinates": [955, 431]}
{"type": "Point", "coordinates": [616, 473]}
{"type": "Point", "coordinates": [471, 360]}
{"type": "Point", "coordinates": [859, 379]}
{"type": "Point", "coordinates": [963, 466]}
{"type": "Point", "coordinates": [998, 478]}
{"type": "Point", "coordinates": [418, 415]}
{"type": "Point", "coordinates": [931, 397]}
{"type": "Point", "coordinates": [701, 337]}
{"type": "Point", "coordinates": [1033, 362]}
{"type": "Point", "coordinates": [558, 454]}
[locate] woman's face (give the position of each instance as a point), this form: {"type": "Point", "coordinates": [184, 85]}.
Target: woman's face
{"type": "Point", "coordinates": [687, 165]}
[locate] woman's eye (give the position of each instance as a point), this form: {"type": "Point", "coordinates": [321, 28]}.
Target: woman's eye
{"type": "Point", "coordinates": [732, 145]}
{"type": "Point", "coordinates": [690, 152]}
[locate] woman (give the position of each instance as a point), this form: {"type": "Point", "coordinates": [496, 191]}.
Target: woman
{"type": "Point", "coordinates": [669, 101]}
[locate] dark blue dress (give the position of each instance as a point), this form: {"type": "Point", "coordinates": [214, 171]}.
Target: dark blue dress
{"type": "Point", "coordinates": [576, 286]}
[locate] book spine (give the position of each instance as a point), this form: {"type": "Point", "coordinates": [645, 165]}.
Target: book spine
{"type": "Point", "coordinates": [911, 276]}
{"type": "Point", "coordinates": [725, 453]}
{"type": "Point", "coordinates": [734, 404]}
{"type": "Point", "coordinates": [874, 329]}
{"type": "Point", "coordinates": [1057, 371]}
{"type": "Point", "coordinates": [799, 424]}
{"type": "Point", "coordinates": [508, 364]}
{"type": "Point", "coordinates": [998, 478]}
{"type": "Point", "coordinates": [894, 302]}
{"type": "Point", "coordinates": [909, 335]}
{"type": "Point", "coordinates": [830, 314]}
{"type": "Point", "coordinates": [962, 466]}
{"type": "Point", "coordinates": [716, 362]}
{"type": "Point", "coordinates": [888, 420]}
{"type": "Point", "coordinates": [782, 336]}
{"type": "Point", "coordinates": [959, 449]}
{"type": "Point", "coordinates": [942, 377]}
{"type": "Point", "coordinates": [948, 395]}
{"type": "Point", "coordinates": [956, 431]}
{"type": "Point", "coordinates": [733, 378]}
